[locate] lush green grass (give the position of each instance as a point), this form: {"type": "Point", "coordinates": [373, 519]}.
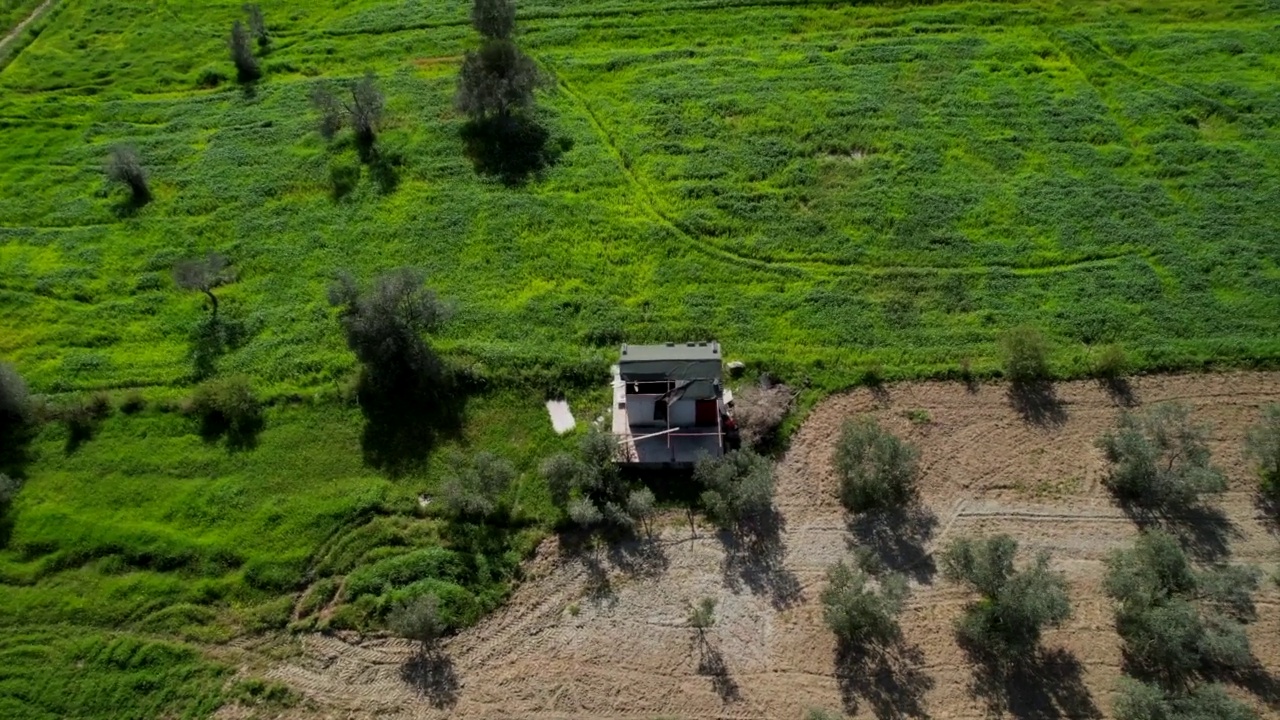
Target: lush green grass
{"type": "Point", "coordinates": [827, 189]}
{"type": "Point", "coordinates": [13, 12]}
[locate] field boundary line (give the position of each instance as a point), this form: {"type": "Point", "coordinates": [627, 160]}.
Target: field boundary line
{"type": "Point", "coordinates": [13, 35]}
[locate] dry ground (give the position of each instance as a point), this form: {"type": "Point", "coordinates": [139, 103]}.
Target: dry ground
{"type": "Point", "coordinates": [605, 636]}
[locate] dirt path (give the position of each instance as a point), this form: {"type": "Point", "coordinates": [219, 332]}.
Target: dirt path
{"type": "Point", "coordinates": [606, 638]}
{"type": "Point", "coordinates": [20, 27]}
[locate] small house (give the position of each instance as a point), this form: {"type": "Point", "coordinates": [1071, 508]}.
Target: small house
{"type": "Point", "coordinates": [668, 403]}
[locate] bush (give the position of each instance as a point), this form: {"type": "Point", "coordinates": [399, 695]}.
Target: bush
{"type": "Point", "coordinates": [227, 406]}
{"type": "Point", "coordinates": [1111, 363]}
{"type": "Point", "coordinates": [238, 43]}
{"type": "Point", "coordinates": [875, 468]}
{"type": "Point", "coordinates": [1016, 605]}
{"type": "Point", "coordinates": [417, 619]}
{"type": "Point", "coordinates": [15, 405]}
{"type": "Point", "coordinates": [640, 507]}
{"type": "Point", "coordinates": [590, 479]}
{"type": "Point", "coordinates": [476, 485]}
{"type": "Point", "coordinates": [856, 612]}
{"type": "Point", "coordinates": [1157, 618]}
{"type": "Point", "coordinates": [739, 487]}
{"type": "Point", "coordinates": [1026, 355]}
{"type": "Point", "coordinates": [133, 403]}
{"type": "Point", "coordinates": [759, 411]}
{"type": "Point", "coordinates": [1160, 459]}
{"type": "Point", "coordinates": [702, 616]}
{"type": "Point", "coordinates": [584, 512]}
{"type": "Point", "coordinates": [1263, 448]}
{"type": "Point", "coordinates": [124, 166]}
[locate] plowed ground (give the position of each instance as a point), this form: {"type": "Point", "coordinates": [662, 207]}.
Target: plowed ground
{"type": "Point", "coordinates": [603, 635]}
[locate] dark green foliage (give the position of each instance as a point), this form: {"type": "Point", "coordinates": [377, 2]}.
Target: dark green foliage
{"type": "Point", "coordinates": [1016, 604]}
{"type": "Point", "coordinates": [204, 275]}
{"type": "Point", "coordinates": [239, 43]}
{"type": "Point", "coordinates": [475, 485]}
{"type": "Point", "coordinates": [1160, 459]}
{"type": "Point", "coordinates": [133, 403]}
{"type": "Point", "coordinates": [739, 487]}
{"type": "Point", "coordinates": [859, 613]}
{"type": "Point", "coordinates": [1143, 701]}
{"type": "Point", "coordinates": [417, 619]}
{"type": "Point", "coordinates": [494, 19]}
{"type": "Point", "coordinates": [1025, 354]}
{"type": "Point", "coordinates": [1263, 448]}
{"type": "Point", "coordinates": [15, 408]}
{"type": "Point", "coordinates": [363, 112]}
{"type": "Point", "coordinates": [497, 80]}
{"type": "Point", "coordinates": [228, 406]}
{"type": "Point", "coordinates": [876, 469]}
{"type": "Point", "coordinates": [561, 471]}
{"type": "Point", "coordinates": [124, 166]}
{"type": "Point", "coordinates": [641, 505]}
{"type": "Point", "coordinates": [584, 513]}
{"type": "Point", "coordinates": [1174, 619]}
{"type": "Point", "coordinates": [590, 487]}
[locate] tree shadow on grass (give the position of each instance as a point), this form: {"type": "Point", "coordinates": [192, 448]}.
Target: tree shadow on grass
{"type": "Point", "coordinates": [1037, 402]}
{"type": "Point", "coordinates": [211, 338]}
{"type": "Point", "coordinates": [711, 664]}
{"type": "Point", "coordinates": [404, 421]}
{"type": "Point", "coordinates": [512, 149]}
{"type": "Point", "coordinates": [898, 538]}
{"type": "Point", "coordinates": [754, 558]}
{"type": "Point", "coordinates": [1047, 685]}
{"type": "Point", "coordinates": [430, 672]}
{"type": "Point", "coordinates": [889, 678]}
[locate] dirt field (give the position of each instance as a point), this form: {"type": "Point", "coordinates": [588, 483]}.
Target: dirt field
{"type": "Point", "coordinates": [606, 637]}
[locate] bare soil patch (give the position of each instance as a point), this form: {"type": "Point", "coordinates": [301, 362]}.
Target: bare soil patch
{"type": "Point", "coordinates": [604, 635]}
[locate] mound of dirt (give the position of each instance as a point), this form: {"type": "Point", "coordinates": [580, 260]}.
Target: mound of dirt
{"type": "Point", "coordinates": [604, 636]}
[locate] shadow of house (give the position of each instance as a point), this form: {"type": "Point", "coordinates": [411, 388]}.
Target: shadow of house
{"type": "Point", "coordinates": [431, 674]}
{"type": "Point", "coordinates": [1037, 402]}
{"type": "Point", "coordinates": [899, 538]}
{"type": "Point", "coordinates": [1048, 685]}
{"type": "Point", "coordinates": [890, 679]}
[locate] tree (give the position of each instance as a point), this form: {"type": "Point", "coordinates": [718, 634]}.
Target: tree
{"type": "Point", "coordinates": [476, 485]}
{"type": "Point", "coordinates": [257, 25]}
{"type": "Point", "coordinates": [1263, 448]}
{"type": "Point", "coordinates": [584, 512]}
{"type": "Point", "coordinates": [496, 82]}
{"type": "Point", "coordinates": [1144, 701]}
{"type": "Point", "coordinates": [876, 469]}
{"type": "Point", "coordinates": [702, 616]}
{"type": "Point", "coordinates": [494, 19]}
{"type": "Point", "coordinates": [561, 471]}
{"type": "Point", "coordinates": [204, 275]}
{"type": "Point", "coordinates": [739, 487]}
{"type": "Point", "coordinates": [228, 406]}
{"type": "Point", "coordinates": [1026, 354]}
{"type": "Point", "coordinates": [1160, 459]}
{"type": "Point", "coordinates": [124, 166]}
{"type": "Point", "coordinates": [15, 403]}
{"type": "Point", "coordinates": [1174, 619]}
{"type": "Point", "coordinates": [640, 507]}
{"type": "Point", "coordinates": [857, 612]}
{"type": "Point", "coordinates": [1016, 604]}
{"type": "Point", "coordinates": [247, 69]}
{"type": "Point", "coordinates": [384, 328]}
{"type": "Point", "coordinates": [364, 112]}
{"type": "Point", "coordinates": [418, 619]}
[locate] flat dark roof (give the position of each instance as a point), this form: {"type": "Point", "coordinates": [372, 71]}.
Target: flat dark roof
{"type": "Point", "coordinates": [671, 351]}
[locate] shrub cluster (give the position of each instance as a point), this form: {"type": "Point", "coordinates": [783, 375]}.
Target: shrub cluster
{"type": "Point", "coordinates": [738, 487]}
{"type": "Point", "coordinates": [1025, 354]}
{"type": "Point", "coordinates": [591, 488]}
{"type": "Point", "coordinates": [417, 619]}
{"type": "Point", "coordinates": [1160, 459]}
{"type": "Point", "coordinates": [876, 469]}
{"type": "Point", "coordinates": [1016, 604]}
{"type": "Point", "coordinates": [1145, 701]}
{"type": "Point", "coordinates": [476, 485]}
{"type": "Point", "coordinates": [1174, 619]}
{"type": "Point", "coordinates": [227, 406]}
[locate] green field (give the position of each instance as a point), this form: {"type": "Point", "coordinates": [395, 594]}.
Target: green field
{"type": "Point", "coordinates": [828, 189]}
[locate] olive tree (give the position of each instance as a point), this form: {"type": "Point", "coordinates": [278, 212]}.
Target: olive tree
{"type": "Point", "coordinates": [475, 486]}
{"type": "Point", "coordinates": [204, 275]}
{"type": "Point", "coordinates": [1160, 459]}
{"type": "Point", "coordinates": [257, 25]}
{"type": "Point", "coordinates": [738, 486]}
{"type": "Point", "coordinates": [496, 82]}
{"type": "Point", "coordinates": [124, 166]}
{"type": "Point", "coordinates": [858, 612]}
{"type": "Point", "coordinates": [1263, 448]}
{"type": "Point", "coordinates": [1145, 701]}
{"type": "Point", "coordinates": [1016, 604]}
{"type": "Point", "coordinates": [363, 111]}
{"type": "Point", "coordinates": [418, 619]}
{"type": "Point", "coordinates": [876, 469]}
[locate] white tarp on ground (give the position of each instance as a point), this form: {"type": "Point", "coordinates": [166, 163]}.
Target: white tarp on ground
{"type": "Point", "coordinates": [561, 419]}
